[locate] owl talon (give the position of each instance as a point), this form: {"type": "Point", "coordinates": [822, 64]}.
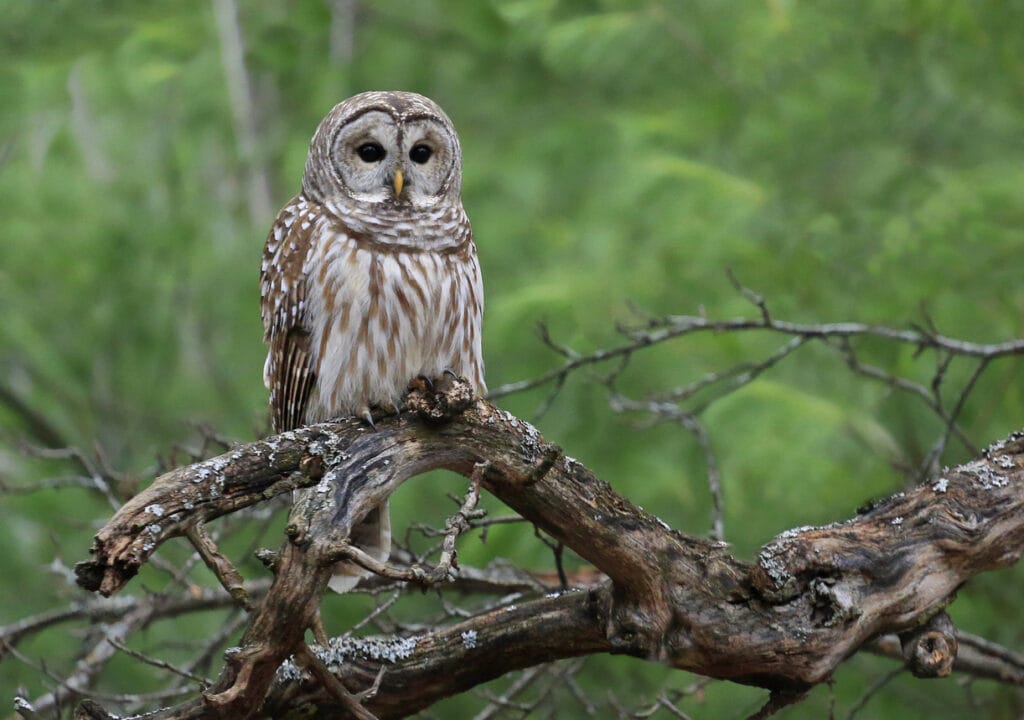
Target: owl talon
{"type": "Point", "coordinates": [421, 383]}
{"type": "Point", "coordinates": [366, 415]}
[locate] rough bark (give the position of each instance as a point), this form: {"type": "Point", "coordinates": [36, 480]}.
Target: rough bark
{"type": "Point", "coordinates": [785, 622]}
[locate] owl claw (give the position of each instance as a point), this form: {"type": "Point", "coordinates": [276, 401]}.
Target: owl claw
{"type": "Point", "coordinates": [421, 382]}
{"type": "Point", "coordinates": [366, 415]}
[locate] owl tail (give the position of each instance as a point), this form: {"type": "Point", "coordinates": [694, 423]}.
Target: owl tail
{"type": "Point", "coordinates": [372, 536]}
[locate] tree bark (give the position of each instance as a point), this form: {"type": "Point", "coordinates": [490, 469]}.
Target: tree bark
{"type": "Point", "coordinates": [785, 622]}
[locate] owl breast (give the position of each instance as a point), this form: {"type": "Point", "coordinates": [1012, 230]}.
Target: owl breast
{"type": "Point", "coordinates": [382, 314]}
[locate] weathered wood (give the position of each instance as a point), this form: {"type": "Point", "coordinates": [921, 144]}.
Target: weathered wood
{"type": "Point", "coordinates": [812, 598]}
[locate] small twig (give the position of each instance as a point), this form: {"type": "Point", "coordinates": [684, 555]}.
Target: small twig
{"type": "Point", "coordinates": [346, 551]}
{"type": "Point", "coordinates": [460, 522]}
{"type": "Point", "coordinates": [476, 523]}
{"type": "Point", "coordinates": [545, 335]}
{"type": "Point", "coordinates": [935, 457]}
{"type": "Point", "coordinates": [375, 613]}
{"type": "Point", "coordinates": [741, 373]}
{"type": "Point", "coordinates": [141, 657]}
{"type": "Point", "coordinates": [96, 478]}
{"type": "Point", "coordinates": [877, 685]}
{"type": "Point", "coordinates": [309, 660]}
{"type": "Point", "coordinates": [230, 626]}
{"type": "Point", "coordinates": [371, 692]}
{"type": "Point", "coordinates": [992, 649]}
{"type": "Point", "coordinates": [221, 566]}
{"type": "Point", "coordinates": [506, 699]}
{"type": "Point", "coordinates": [756, 299]}
{"type": "Point", "coordinates": [318, 629]}
{"type": "Point", "coordinates": [549, 400]}
{"type": "Point", "coordinates": [902, 384]}
{"type": "Point", "coordinates": [578, 692]}
{"type": "Point", "coordinates": [714, 477]}
{"type": "Point", "coordinates": [688, 421]}
{"type": "Point", "coordinates": [447, 563]}
{"type": "Point", "coordinates": [557, 550]}
{"type": "Point", "coordinates": [664, 702]}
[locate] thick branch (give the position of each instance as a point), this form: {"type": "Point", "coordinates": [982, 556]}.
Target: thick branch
{"type": "Point", "coordinates": [814, 596]}
{"type": "Point", "coordinates": [183, 497]}
{"type": "Point", "coordinates": [420, 671]}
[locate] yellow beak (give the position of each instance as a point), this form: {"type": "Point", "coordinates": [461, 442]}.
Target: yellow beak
{"type": "Point", "coordinates": [398, 182]}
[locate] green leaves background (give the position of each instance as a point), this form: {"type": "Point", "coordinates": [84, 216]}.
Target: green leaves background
{"type": "Point", "coordinates": [848, 161]}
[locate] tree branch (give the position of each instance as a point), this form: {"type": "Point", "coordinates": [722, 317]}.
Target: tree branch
{"type": "Point", "coordinates": [785, 622]}
{"type": "Point", "coordinates": [663, 329]}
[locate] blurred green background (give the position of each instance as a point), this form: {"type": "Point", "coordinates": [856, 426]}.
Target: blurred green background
{"type": "Point", "coordinates": [849, 161]}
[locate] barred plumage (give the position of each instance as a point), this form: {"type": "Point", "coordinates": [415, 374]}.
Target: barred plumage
{"type": "Point", "coordinates": [369, 276]}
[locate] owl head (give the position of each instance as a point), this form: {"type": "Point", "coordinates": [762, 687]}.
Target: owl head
{"type": "Point", "coordinates": [383, 151]}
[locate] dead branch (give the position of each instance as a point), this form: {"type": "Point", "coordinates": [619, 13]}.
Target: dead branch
{"type": "Point", "coordinates": [785, 622]}
{"type": "Point", "coordinates": [664, 329]}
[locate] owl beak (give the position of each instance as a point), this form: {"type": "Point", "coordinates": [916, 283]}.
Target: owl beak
{"type": "Point", "coordinates": [398, 182]}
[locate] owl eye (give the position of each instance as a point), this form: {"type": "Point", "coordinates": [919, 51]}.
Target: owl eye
{"type": "Point", "coordinates": [420, 154]}
{"type": "Point", "coordinates": [370, 152]}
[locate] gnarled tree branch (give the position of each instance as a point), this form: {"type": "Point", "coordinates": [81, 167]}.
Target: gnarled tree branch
{"type": "Point", "coordinates": [812, 598]}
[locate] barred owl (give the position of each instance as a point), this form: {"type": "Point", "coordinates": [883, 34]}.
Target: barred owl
{"type": "Point", "coordinates": [370, 276]}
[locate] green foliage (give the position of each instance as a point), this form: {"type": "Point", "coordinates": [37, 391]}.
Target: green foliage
{"type": "Point", "coordinates": [854, 162]}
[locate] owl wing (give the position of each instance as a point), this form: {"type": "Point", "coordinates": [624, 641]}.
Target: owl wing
{"type": "Point", "coordinates": [288, 373]}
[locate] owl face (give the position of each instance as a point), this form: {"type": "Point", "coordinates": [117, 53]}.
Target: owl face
{"type": "Point", "coordinates": [385, 149]}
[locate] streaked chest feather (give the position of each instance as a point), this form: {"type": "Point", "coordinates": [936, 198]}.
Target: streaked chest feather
{"type": "Point", "coordinates": [379, 318]}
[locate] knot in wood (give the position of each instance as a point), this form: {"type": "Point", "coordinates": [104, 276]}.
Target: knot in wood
{"type": "Point", "coordinates": [934, 655]}
{"type": "Point", "coordinates": [930, 650]}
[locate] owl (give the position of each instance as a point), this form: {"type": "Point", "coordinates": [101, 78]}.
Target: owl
{"type": "Point", "coordinates": [370, 276]}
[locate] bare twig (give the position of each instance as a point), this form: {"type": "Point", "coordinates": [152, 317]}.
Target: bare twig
{"type": "Point", "coordinates": [97, 478]}
{"type": "Point", "coordinates": [931, 464]}
{"type": "Point", "coordinates": [505, 700]}
{"type": "Point", "coordinates": [223, 568]}
{"type": "Point", "coordinates": [154, 662]}
{"type": "Point", "coordinates": [688, 421]}
{"type": "Point", "coordinates": [664, 329]}
{"type": "Point", "coordinates": [873, 690]}
{"type": "Point", "coordinates": [447, 564]}
{"type": "Point", "coordinates": [309, 660]}
{"type": "Point", "coordinates": [995, 650]}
